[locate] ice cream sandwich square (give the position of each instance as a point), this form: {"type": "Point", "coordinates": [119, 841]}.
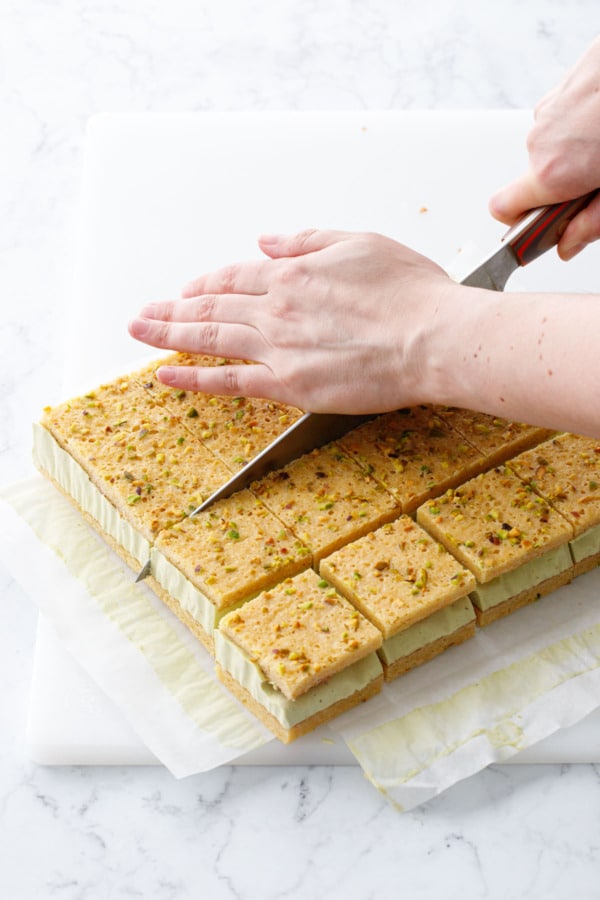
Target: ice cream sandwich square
{"type": "Point", "coordinates": [235, 429]}
{"type": "Point", "coordinates": [218, 559]}
{"type": "Point", "coordinates": [512, 540]}
{"type": "Point", "coordinates": [413, 454]}
{"type": "Point", "coordinates": [132, 468]}
{"type": "Point", "coordinates": [409, 587]}
{"type": "Point", "coordinates": [566, 472]}
{"type": "Point", "coordinates": [496, 439]}
{"type": "Point", "coordinates": [326, 499]}
{"type": "Point", "coordinates": [298, 654]}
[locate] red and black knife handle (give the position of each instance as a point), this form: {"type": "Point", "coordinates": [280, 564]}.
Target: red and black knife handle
{"type": "Point", "coordinates": [541, 229]}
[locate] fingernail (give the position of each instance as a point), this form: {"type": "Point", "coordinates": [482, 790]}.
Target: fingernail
{"type": "Point", "coordinates": [138, 328]}
{"type": "Point", "coordinates": [167, 374]}
{"type": "Point", "coordinates": [269, 239]}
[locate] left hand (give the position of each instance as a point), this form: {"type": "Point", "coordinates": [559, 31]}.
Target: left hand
{"type": "Point", "coordinates": [335, 322]}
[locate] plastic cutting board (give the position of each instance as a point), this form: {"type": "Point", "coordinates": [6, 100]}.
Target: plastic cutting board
{"type": "Point", "coordinates": [167, 197]}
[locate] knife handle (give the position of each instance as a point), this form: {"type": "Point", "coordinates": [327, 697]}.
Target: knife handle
{"type": "Point", "coordinates": [540, 229]}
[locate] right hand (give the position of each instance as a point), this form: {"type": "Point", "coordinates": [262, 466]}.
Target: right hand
{"type": "Point", "coordinates": [564, 155]}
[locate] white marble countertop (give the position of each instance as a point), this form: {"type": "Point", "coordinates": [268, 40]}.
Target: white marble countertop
{"type": "Point", "coordinates": [247, 833]}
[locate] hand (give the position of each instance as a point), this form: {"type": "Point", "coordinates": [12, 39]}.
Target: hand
{"type": "Point", "coordinates": [564, 155]}
{"type": "Point", "coordinates": [335, 322]}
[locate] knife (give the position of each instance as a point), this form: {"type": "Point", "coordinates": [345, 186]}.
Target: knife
{"type": "Point", "coordinates": [535, 233]}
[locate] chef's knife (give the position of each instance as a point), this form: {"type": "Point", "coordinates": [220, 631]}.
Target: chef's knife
{"type": "Point", "coordinates": [536, 232]}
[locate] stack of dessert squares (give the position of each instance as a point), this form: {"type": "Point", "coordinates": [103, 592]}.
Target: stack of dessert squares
{"type": "Point", "coordinates": [349, 566]}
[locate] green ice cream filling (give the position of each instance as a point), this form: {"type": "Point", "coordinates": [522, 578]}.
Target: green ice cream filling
{"type": "Point", "coordinates": [290, 712]}
{"type": "Point", "coordinates": [508, 585]}
{"type": "Point", "coordinates": [441, 623]}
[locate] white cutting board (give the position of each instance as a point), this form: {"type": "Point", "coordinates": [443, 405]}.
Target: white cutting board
{"type": "Point", "coordinates": [167, 197]}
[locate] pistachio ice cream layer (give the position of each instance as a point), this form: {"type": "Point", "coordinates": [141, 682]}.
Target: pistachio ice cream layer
{"type": "Point", "coordinates": [291, 712]}
{"type": "Point", "coordinates": [508, 585]}
{"type": "Point", "coordinates": [72, 478]}
{"type": "Point", "coordinates": [586, 544]}
{"type": "Point", "coordinates": [189, 597]}
{"type": "Point", "coordinates": [442, 623]}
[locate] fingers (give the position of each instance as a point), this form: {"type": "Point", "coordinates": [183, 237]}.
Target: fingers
{"type": "Point", "coordinates": [240, 278]}
{"type": "Point", "coordinates": [516, 198]}
{"type": "Point", "coordinates": [253, 277]}
{"type": "Point", "coordinates": [581, 231]}
{"type": "Point", "coordinates": [526, 193]}
{"type": "Point", "coordinates": [205, 308]}
{"type": "Point", "coordinates": [213, 324]}
{"type": "Point", "coordinates": [211, 338]}
{"type": "Point", "coordinates": [224, 381]}
{"type": "Point", "coordinates": [278, 246]}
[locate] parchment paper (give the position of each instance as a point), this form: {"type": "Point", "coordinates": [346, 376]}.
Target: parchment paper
{"type": "Point", "coordinates": [517, 682]}
{"type": "Point", "coordinates": [123, 637]}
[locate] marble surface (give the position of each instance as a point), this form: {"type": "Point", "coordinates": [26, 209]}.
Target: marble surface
{"type": "Point", "coordinates": [80, 833]}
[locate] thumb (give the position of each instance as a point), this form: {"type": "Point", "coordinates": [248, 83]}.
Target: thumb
{"type": "Point", "coordinates": [516, 198]}
{"type": "Point", "coordinates": [279, 245]}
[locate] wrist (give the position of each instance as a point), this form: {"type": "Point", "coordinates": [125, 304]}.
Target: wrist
{"type": "Point", "coordinates": [451, 369]}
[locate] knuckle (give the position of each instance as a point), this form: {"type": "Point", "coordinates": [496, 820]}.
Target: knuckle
{"type": "Point", "coordinates": [163, 333]}
{"type": "Point", "coordinates": [369, 240]}
{"type": "Point", "coordinates": [232, 380]}
{"type": "Point", "coordinates": [191, 378]}
{"type": "Point", "coordinates": [165, 312]}
{"type": "Point", "coordinates": [546, 169]}
{"type": "Point", "coordinates": [281, 310]}
{"type": "Point", "coordinates": [209, 337]}
{"type": "Point", "coordinates": [546, 162]}
{"type": "Point", "coordinates": [289, 273]}
{"type": "Point", "coordinates": [227, 278]}
{"type": "Point", "coordinates": [305, 237]}
{"type": "Point", "coordinates": [374, 237]}
{"type": "Point", "coordinates": [534, 139]}
{"type": "Point", "coordinates": [205, 306]}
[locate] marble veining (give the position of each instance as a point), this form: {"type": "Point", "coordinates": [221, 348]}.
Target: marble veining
{"type": "Point", "coordinates": [242, 833]}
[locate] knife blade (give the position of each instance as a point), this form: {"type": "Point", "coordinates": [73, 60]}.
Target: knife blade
{"type": "Point", "coordinates": [310, 431]}
{"type": "Point", "coordinates": [535, 233]}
